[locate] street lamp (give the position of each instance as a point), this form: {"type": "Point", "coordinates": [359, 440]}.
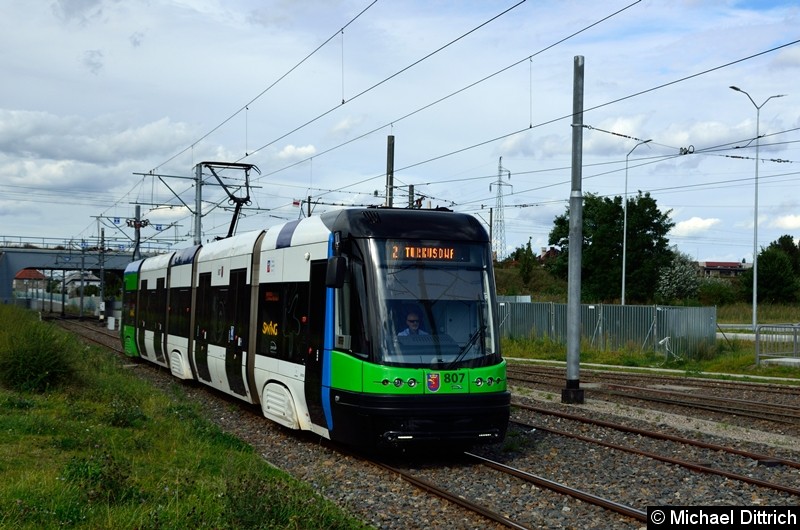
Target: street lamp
{"type": "Point", "coordinates": [625, 218]}
{"type": "Point", "coordinates": [755, 208]}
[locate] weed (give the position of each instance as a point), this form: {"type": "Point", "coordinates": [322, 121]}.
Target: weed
{"type": "Point", "coordinates": [517, 440]}
{"type": "Point", "coordinates": [125, 412]}
{"type": "Point", "coordinates": [101, 477]}
{"type": "Point", "coordinates": [16, 402]}
{"type": "Point", "coordinates": [36, 357]}
{"type": "Point", "coordinates": [256, 500]}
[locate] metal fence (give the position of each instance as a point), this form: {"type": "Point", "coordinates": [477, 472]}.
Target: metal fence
{"type": "Point", "coordinates": [777, 340]}
{"type": "Point", "coordinates": [668, 329]}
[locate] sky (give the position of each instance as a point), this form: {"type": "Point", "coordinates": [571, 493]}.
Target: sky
{"type": "Point", "coordinates": [108, 105]}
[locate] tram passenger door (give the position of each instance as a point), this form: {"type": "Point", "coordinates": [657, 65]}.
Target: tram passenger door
{"type": "Point", "coordinates": [239, 309]}
{"type": "Point", "coordinates": [202, 327]}
{"type": "Point", "coordinates": [142, 315]}
{"type": "Point", "coordinates": [315, 354]}
{"type": "Point", "coordinates": [159, 320]}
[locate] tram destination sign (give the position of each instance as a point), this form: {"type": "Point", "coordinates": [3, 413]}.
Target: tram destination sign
{"type": "Point", "coordinates": [397, 250]}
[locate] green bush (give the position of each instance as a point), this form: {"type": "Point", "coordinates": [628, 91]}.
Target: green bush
{"type": "Point", "coordinates": [716, 292]}
{"type": "Point", "coordinates": [35, 356]}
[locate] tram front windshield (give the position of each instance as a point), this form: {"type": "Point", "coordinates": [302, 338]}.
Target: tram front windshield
{"type": "Point", "coordinates": [435, 305]}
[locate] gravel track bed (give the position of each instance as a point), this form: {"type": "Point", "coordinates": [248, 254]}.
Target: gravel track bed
{"type": "Point", "coordinates": [732, 463]}
{"type": "Point", "coordinates": [787, 396]}
{"type": "Point", "coordinates": [385, 501]}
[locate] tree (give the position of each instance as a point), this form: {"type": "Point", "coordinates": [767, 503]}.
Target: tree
{"type": "Point", "coordinates": [679, 280]}
{"type": "Point", "coordinates": [777, 283]}
{"type": "Point", "coordinates": [526, 263]}
{"type": "Point", "coordinates": [786, 244]}
{"type": "Point", "coordinates": [601, 269]}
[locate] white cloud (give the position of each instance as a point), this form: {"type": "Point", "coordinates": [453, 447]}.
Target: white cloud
{"type": "Point", "coordinates": [787, 222]}
{"type": "Point", "coordinates": [344, 126]}
{"type": "Point", "coordinates": [292, 153]}
{"type": "Point", "coordinates": [693, 226]}
{"type": "Point", "coordinates": [787, 58]}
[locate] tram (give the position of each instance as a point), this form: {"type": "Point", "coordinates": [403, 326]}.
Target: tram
{"type": "Point", "coordinates": [310, 320]}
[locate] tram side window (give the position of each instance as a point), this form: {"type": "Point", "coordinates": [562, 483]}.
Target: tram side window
{"type": "Point", "coordinates": [350, 315]}
{"type": "Point", "coordinates": [159, 304]}
{"type": "Point", "coordinates": [283, 317]}
{"type": "Point", "coordinates": [296, 319]}
{"type": "Point", "coordinates": [239, 305]}
{"type": "Point", "coordinates": [179, 301]}
{"type": "Point", "coordinates": [218, 326]}
{"type": "Point", "coordinates": [129, 308]}
{"type": "Point", "coordinates": [144, 309]}
{"type": "Point", "coordinates": [203, 307]}
{"type": "Point", "coordinates": [270, 308]}
{"type": "Point", "coordinates": [214, 314]}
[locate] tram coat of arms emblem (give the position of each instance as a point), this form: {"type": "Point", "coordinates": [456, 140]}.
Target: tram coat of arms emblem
{"type": "Point", "coordinates": [434, 382]}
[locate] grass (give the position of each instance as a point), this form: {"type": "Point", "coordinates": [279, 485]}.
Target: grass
{"type": "Point", "coordinates": [104, 449]}
{"type": "Point", "coordinates": [741, 313]}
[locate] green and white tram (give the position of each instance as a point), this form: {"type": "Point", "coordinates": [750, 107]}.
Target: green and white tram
{"type": "Point", "coordinates": [308, 319]}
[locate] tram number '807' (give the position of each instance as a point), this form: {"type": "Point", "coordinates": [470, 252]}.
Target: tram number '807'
{"type": "Point", "coordinates": [453, 378]}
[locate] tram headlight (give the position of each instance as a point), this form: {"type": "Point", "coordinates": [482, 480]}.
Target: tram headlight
{"type": "Point", "coordinates": [398, 382]}
{"type": "Point", "coordinates": [490, 381]}
{"type": "Point", "coordinates": [478, 381]}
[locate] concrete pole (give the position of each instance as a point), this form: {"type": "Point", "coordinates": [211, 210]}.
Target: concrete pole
{"type": "Point", "coordinates": [103, 274]}
{"type": "Point", "coordinates": [572, 392]}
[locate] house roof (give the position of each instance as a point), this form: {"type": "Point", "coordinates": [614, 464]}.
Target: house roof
{"type": "Point", "coordinates": [721, 264]}
{"type": "Point", "coordinates": [30, 274]}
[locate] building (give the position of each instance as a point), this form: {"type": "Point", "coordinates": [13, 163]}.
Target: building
{"type": "Point", "coordinates": [72, 282]}
{"type": "Point", "coordinates": [29, 283]}
{"type": "Point", "coordinates": [722, 269]}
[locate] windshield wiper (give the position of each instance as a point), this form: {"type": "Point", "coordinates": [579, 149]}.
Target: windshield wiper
{"type": "Point", "coordinates": [471, 342]}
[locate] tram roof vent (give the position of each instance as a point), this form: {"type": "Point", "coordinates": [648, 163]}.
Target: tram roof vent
{"type": "Point", "coordinates": [372, 217]}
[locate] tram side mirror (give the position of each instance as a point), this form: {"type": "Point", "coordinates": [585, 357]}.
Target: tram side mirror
{"type": "Point", "coordinates": [334, 276]}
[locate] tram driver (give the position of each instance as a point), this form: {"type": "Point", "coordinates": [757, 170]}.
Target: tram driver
{"type": "Point", "coordinates": [413, 322]}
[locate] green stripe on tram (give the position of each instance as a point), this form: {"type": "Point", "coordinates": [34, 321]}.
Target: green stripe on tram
{"type": "Point", "coordinates": [352, 374]}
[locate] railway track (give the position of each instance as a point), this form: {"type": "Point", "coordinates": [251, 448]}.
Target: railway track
{"type": "Point", "coordinates": [580, 471]}
{"type": "Point", "coordinates": [693, 466]}
{"type": "Point", "coordinates": [739, 404]}
{"type": "Point", "coordinates": [476, 461]}
{"type": "Point", "coordinates": [779, 413]}
{"type": "Point", "coordinates": [742, 384]}
{"type": "Point", "coordinates": [758, 457]}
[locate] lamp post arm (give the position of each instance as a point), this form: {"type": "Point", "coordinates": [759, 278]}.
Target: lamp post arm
{"type": "Point", "coordinates": [755, 200]}
{"type": "Point", "coordinates": [625, 220]}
